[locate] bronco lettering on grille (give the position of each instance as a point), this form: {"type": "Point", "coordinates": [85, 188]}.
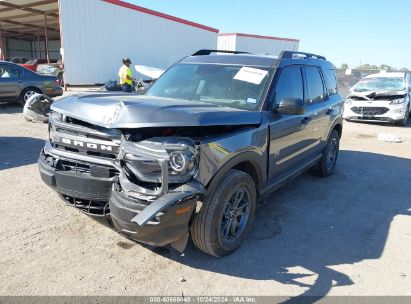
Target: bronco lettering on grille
{"type": "Point", "coordinates": [86, 144]}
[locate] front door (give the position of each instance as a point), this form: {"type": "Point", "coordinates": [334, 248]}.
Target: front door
{"type": "Point", "coordinates": [291, 137]}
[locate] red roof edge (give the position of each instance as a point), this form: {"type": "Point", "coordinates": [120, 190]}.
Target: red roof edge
{"type": "Point", "coordinates": [258, 36]}
{"type": "Point", "coordinates": [161, 15]}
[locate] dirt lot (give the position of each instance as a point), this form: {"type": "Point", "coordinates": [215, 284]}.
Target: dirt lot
{"type": "Point", "coordinates": [349, 234]}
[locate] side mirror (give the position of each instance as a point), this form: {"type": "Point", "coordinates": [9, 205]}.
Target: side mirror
{"type": "Point", "coordinates": [292, 106]}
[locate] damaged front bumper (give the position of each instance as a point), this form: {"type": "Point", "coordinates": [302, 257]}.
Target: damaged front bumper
{"type": "Point", "coordinates": [154, 211]}
{"type": "Point", "coordinates": [148, 207]}
{"type": "Point", "coordinates": [161, 222]}
{"type": "Point", "coordinates": [383, 112]}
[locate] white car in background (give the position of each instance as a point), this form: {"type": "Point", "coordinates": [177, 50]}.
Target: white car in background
{"type": "Point", "coordinates": [382, 97]}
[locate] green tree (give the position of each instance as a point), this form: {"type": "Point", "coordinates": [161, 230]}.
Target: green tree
{"type": "Point", "coordinates": [344, 66]}
{"type": "Point", "coordinates": [367, 66]}
{"type": "Point", "coordinates": [404, 70]}
{"type": "Point", "coordinates": [385, 67]}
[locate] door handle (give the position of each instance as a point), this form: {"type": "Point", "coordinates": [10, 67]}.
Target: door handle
{"type": "Point", "coordinates": [306, 120]}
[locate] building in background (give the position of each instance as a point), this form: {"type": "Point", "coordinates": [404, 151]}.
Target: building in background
{"type": "Point", "coordinates": [29, 29]}
{"type": "Point", "coordinates": [256, 44]}
{"type": "Point", "coordinates": [97, 34]}
{"type": "Point", "coordinates": [92, 36]}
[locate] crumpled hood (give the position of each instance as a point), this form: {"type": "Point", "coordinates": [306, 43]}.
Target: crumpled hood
{"type": "Point", "coordinates": [114, 110]}
{"type": "Point", "coordinates": [371, 95]}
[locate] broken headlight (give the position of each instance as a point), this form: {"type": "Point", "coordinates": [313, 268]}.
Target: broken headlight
{"type": "Point", "coordinates": [148, 160]}
{"type": "Point", "coordinates": [397, 101]}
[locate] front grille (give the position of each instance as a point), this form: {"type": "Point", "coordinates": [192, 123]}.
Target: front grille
{"type": "Point", "coordinates": [85, 168]}
{"type": "Point", "coordinates": [94, 208]}
{"type": "Point", "coordinates": [370, 111]}
{"type": "Point", "coordinates": [71, 135]}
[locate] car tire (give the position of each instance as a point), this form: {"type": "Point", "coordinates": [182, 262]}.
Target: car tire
{"type": "Point", "coordinates": [27, 93]}
{"type": "Point", "coordinates": [226, 215]}
{"type": "Point", "coordinates": [404, 121]}
{"type": "Point", "coordinates": [326, 165]}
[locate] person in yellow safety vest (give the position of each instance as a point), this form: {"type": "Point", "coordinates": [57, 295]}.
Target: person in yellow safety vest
{"type": "Point", "coordinates": [126, 80]}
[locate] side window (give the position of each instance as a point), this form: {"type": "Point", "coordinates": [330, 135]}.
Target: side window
{"type": "Point", "coordinates": [409, 81]}
{"type": "Point", "coordinates": [315, 87]}
{"type": "Point", "coordinates": [330, 81]}
{"type": "Point", "coordinates": [290, 84]}
{"type": "Point", "coordinates": [7, 71]}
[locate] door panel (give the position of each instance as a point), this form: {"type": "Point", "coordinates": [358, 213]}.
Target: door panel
{"type": "Point", "coordinates": [317, 101]}
{"type": "Point", "coordinates": [290, 142]}
{"type": "Point", "coordinates": [290, 135]}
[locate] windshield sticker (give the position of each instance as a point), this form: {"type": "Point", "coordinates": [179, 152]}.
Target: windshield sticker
{"type": "Point", "coordinates": [251, 100]}
{"type": "Point", "coordinates": [250, 75]}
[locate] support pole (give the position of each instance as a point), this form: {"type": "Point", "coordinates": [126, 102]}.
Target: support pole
{"type": "Point", "coordinates": [2, 46]}
{"type": "Point", "coordinates": [47, 39]}
{"type": "Point", "coordinates": [32, 51]}
{"type": "Point", "coordinates": [38, 45]}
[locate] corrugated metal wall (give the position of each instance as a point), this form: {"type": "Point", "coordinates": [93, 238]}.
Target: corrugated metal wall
{"type": "Point", "coordinates": [54, 49]}
{"type": "Point", "coordinates": [30, 49]}
{"type": "Point", "coordinates": [256, 45]}
{"type": "Point", "coordinates": [265, 46]}
{"type": "Point", "coordinates": [226, 43]}
{"type": "Point", "coordinates": [18, 48]}
{"type": "Point", "coordinates": [97, 35]}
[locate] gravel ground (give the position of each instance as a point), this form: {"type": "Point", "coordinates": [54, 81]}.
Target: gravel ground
{"type": "Point", "coordinates": [349, 234]}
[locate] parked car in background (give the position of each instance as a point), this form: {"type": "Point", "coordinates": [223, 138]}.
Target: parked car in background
{"type": "Point", "coordinates": [381, 97]}
{"type": "Point", "coordinates": [19, 84]}
{"type": "Point", "coordinates": [193, 155]}
{"type": "Point", "coordinates": [53, 69]}
{"type": "Point", "coordinates": [33, 63]}
{"type": "Point", "coordinates": [18, 59]}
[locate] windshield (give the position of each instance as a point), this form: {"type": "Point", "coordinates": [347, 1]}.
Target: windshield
{"type": "Point", "coordinates": [231, 86]}
{"type": "Point", "coordinates": [379, 84]}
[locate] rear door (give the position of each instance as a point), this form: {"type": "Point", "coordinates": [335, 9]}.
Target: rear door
{"type": "Point", "coordinates": [290, 135]}
{"type": "Point", "coordinates": [316, 100]}
{"type": "Point", "coordinates": [10, 81]}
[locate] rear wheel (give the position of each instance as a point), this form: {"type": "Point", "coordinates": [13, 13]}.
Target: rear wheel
{"type": "Point", "coordinates": [327, 163]}
{"type": "Point", "coordinates": [226, 215]}
{"type": "Point", "coordinates": [27, 93]}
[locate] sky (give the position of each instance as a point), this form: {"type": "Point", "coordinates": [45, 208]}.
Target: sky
{"type": "Point", "coordinates": [345, 31]}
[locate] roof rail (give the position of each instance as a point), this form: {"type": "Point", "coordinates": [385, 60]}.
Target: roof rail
{"type": "Point", "coordinates": [291, 54]}
{"type": "Point", "coordinates": [208, 52]}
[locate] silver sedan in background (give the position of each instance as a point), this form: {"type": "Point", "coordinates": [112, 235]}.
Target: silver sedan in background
{"type": "Point", "coordinates": [19, 84]}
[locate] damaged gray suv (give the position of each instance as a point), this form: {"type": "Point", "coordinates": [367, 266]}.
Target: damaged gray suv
{"type": "Point", "coordinates": [215, 134]}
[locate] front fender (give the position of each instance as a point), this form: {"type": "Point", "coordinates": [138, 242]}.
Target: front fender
{"type": "Point", "coordinates": [218, 156]}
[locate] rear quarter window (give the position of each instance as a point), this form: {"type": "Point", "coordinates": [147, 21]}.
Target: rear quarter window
{"type": "Point", "coordinates": [330, 81]}
{"type": "Point", "coordinates": [315, 87]}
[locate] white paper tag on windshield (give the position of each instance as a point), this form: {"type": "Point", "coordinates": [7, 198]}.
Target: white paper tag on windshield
{"type": "Point", "coordinates": [251, 75]}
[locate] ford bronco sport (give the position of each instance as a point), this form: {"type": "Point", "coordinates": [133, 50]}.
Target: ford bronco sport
{"type": "Point", "coordinates": [193, 155]}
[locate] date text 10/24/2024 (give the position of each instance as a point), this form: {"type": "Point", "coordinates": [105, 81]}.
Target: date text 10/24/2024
{"type": "Point", "coordinates": [203, 299]}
